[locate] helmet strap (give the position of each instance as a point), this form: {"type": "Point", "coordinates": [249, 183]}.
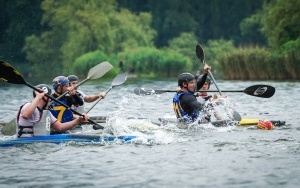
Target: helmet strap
{"type": "Point", "coordinates": [186, 87]}
{"type": "Point", "coordinates": [59, 90]}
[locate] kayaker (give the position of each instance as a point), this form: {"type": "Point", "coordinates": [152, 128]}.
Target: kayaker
{"type": "Point", "coordinates": [205, 87]}
{"type": "Point", "coordinates": [60, 86]}
{"type": "Point", "coordinates": [73, 79]}
{"type": "Point", "coordinates": [185, 104]}
{"type": "Point", "coordinates": [30, 115]}
{"type": "Point", "coordinates": [213, 103]}
{"type": "Point", "coordinates": [208, 98]}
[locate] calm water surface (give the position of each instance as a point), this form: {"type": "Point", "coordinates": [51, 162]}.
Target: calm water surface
{"type": "Point", "coordinates": [202, 157]}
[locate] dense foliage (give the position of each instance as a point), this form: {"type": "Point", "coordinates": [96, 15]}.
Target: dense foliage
{"type": "Point", "coordinates": [157, 37]}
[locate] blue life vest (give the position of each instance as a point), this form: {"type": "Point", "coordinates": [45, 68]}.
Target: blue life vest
{"type": "Point", "coordinates": [61, 113]}
{"type": "Point", "coordinates": [182, 115]}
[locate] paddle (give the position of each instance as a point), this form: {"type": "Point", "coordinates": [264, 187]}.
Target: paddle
{"type": "Point", "coordinates": [94, 73]}
{"type": "Point", "coordinates": [118, 80]}
{"type": "Point", "coordinates": [263, 91]}
{"type": "Point", "coordinates": [201, 56]}
{"type": "Point", "coordinates": [11, 75]}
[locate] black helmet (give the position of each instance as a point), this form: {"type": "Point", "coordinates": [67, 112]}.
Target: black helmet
{"type": "Point", "coordinates": [185, 77]}
{"type": "Point", "coordinates": [207, 79]}
{"type": "Point", "coordinates": [43, 87]}
{"type": "Point", "coordinates": [73, 78]}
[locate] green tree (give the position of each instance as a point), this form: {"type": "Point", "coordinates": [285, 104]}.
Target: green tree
{"type": "Point", "coordinates": [18, 20]}
{"type": "Point", "coordinates": [151, 62]}
{"type": "Point", "coordinates": [251, 30]}
{"type": "Point", "coordinates": [281, 21]}
{"type": "Point", "coordinates": [79, 26]}
{"type": "Point", "coordinates": [216, 49]}
{"type": "Point", "coordinates": [185, 44]}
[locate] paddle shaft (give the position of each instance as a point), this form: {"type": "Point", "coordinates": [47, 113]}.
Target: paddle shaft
{"type": "Point", "coordinates": [201, 56]}
{"type": "Point", "coordinates": [263, 91]}
{"type": "Point", "coordinates": [165, 91]}
{"type": "Point", "coordinates": [212, 77]}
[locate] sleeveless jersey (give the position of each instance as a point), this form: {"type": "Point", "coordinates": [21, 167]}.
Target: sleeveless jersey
{"type": "Point", "coordinates": [39, 123]}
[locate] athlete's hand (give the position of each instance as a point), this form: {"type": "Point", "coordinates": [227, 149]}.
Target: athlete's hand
{"type": "Point", "coordinates": [71, 90]}
{"type": "Point", "coordinates": [81, 118]}
{"type": "Point", "coordinates": [102, 95]}
{"type": "Point", "coordinates": [40, 94]}
{"type": "Point", "coordinates": [207, 68]}
{"type": "Point", "coordinates": [215, 96]}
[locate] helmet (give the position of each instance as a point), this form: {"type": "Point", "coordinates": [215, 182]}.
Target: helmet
{"type": "Point", "coordinates": [265, 124]}
{"type": "Point", "coordinates": [207, 79]}
{"type": "Point", "coordinates": [73, 78]}
{"type": "Point", "coordinates": [43, 87]}
{"type": "Point", "coordinates": [59, 81]}
{"type": "Point", "coordinates": [185, 77]}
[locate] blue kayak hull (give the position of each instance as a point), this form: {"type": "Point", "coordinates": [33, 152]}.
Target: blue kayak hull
{"type": "Point", "coordinates": [63, 138]}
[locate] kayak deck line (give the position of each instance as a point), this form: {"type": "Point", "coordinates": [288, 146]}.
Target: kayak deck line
{"type": "Point", "coordinates": [64, 138]}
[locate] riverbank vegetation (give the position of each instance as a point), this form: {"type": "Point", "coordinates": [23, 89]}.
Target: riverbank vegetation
{"type": "Point", "coordinates": [244, 40]}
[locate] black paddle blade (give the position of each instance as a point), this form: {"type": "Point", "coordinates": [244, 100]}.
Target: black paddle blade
{"type": "Point", "coordinates": [264, 91]}
{"type": "Point", "coordinates": [200, 53]}
{"type": "Point", "coordinates": [10, 74]}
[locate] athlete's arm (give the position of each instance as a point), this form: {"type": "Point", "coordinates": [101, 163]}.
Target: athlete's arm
{"type": "Point", "coordinates": [201, 81]}
{"type": "Point", "coordinates": [75, 100]}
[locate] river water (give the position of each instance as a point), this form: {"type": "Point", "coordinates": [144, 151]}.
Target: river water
{"type": "Point", "coordinates": [202, 157]}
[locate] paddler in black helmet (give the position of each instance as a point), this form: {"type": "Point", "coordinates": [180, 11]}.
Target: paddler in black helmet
{"type": "Point", "coordinates": [185, 104]}
{"type": "Point", "coordinates": [205, 87]}
{"type": "Point", "coordinates": [74, 81]}
{"type": "Point", "coordinates": [208, 98]}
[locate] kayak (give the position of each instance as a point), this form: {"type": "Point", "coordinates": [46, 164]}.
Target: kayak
{"type": "Point", "coordinates": [247, 122]}
{"type": "Point", "coordinates": [64, 138]}
{"type": "Point", "coordinates": [224, 123]}
{"type": "Point", "coordinates": [102, 119]}
{"type": "Point", "coordinates": [221, 123]}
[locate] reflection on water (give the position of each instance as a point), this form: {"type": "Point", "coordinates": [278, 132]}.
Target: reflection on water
{"type": "Point", "coordinates": [167, 156]}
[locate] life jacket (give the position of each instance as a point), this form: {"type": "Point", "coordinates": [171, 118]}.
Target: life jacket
{"type": "Point", "coordinates": [182, 115]}
{"type": "Point", "coordinates": [41, 128]}
{"type": "Point", "coordinates": [61, 113]}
